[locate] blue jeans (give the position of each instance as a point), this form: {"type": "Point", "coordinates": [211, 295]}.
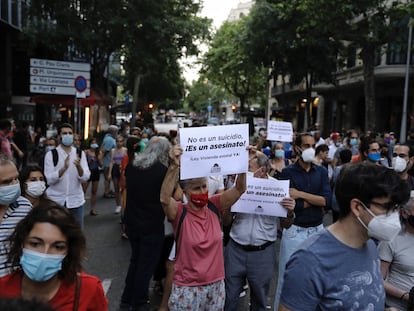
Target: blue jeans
{"type": "Point", "coordinates": [77, 213]}
{"type": "Point", "coordinates": [256, 267]}
{"type": "Point", "coordinates": [291, 240]}
{"type": "Point", "coordinates": [145, 253]}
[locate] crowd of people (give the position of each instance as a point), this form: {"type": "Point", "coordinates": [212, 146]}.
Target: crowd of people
{"type": "Point", "coordinates": [183, 230]}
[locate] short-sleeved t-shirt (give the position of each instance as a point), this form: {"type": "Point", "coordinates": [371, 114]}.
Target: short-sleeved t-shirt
{"type": "Point", "coordinates": [199, 259]}
{"type": "Point", "coordinates": [399, 252]}
{"type": "Point", "coordinates": [108, 144]}
{"type": "Point", "coordinates": [92, 296]}
{"type": "Point", "coordinates": [325, 274]}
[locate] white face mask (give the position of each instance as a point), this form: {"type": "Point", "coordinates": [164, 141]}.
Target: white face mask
{"type": "Point", "coordinates": [399, 164]}
{"type": "Point", "coordinates": [35, 188]}
{"type": "Point", "coordinates": [382, 227]}
{"type": "Point", "coordinates": [308, 155]}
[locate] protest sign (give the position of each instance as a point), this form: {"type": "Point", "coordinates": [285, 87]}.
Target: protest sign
{"type": "Point", "coordinates": [263, 197]}
{"type": "Point", "coordinates": [279, 131]}
{"type": "Point", "coordinates": [214, 150]}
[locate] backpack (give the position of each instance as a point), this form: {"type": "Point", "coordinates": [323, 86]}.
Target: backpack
{"type": "Point", "coordinates": [210, 205]}
{"type": "Point", "coordinates": [55, 155]}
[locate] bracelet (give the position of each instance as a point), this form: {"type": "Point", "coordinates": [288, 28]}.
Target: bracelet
{"type": "Point", "coordinates": [402, 296]}
{"type": "Point", "coordinates": [292, 216]}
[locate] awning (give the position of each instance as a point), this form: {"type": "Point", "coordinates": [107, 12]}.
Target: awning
{"type": "Point", "coordinates": [65, 100]}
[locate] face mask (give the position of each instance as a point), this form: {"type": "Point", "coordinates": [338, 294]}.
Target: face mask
{"type": "Point", "coordinates": [279, 153]}
{"type": "Point", "coordinates": [40, 267]}
{"type": "Point", "coordinates": [94, 146]}
{"type": "Point", "coordinates": [399, 164]}
{"type": "Point", "coordinates": [35, 188]}
{"type": "Point", "coordinates": [387, 140]}
{"type": "Point", "coordinates": [199, 199]}
{"type": "Point", "coordinates": [381, 227]}
{"type": "Point", "coordinates": [49, 148]}
{"type": "Point", "coordinates": [338, 144]}
{"type": "Point", "coordinates": [308, 155]}
{"type": "Point", "coordinates": [144, 140]}
{"type": "Point", "coordinates": [9, 194]}
{"type": "Point", "coordinates": [353, 141]}
{"type": "Point", "coordinates": [67, 140]}
{"type": "Point", "coordinates": [374, 156]}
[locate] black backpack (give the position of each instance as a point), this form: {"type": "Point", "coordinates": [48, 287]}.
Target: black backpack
{"type": "Point", "coordinates": [55, 155]}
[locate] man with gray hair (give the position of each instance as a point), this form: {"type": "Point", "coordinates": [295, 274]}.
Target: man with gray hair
{"type": "Point", "coordinates": [250, 254]}
{"type": "Point", "coordinates": [108, 144]}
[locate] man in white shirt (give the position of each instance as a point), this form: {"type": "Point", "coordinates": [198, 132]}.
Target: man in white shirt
{"type": "Point", "coordinates": [66, 174]}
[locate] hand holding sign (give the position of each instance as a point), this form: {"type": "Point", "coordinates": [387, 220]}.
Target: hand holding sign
{"type": "Point", "coordinates": [175, 154]}
{"type": "Point", "coordinates": [214, 150]}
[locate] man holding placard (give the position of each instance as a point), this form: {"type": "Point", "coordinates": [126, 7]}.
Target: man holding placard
{"type": "Point", "coordinates": [250, 252]}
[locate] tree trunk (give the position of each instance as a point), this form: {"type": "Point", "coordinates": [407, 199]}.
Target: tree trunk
{"type": "Point", "coordinates": [368, 58]}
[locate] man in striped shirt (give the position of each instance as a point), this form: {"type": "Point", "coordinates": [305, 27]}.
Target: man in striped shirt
{"type": "Point", "coordinates": [13, 207]}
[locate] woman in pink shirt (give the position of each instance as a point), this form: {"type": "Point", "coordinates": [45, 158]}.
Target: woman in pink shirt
{"type": "Point", "coordinates": [199, 265]}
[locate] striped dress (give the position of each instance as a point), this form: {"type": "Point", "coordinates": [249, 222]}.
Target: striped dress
{"type": "Point", "coordinates": [16, 212]}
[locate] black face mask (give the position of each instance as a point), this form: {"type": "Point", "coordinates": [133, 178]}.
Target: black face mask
{"type": "Point", "coordinates": [410, 220]}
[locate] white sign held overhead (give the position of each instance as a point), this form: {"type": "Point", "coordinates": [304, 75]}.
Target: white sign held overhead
{"type": "Point", "coordinates": [55, 73]}
{"type": "Point", "coordinates": [60, 65]}
{"type": "Point", "coordinates": [58, 90]}
{"type": "Point", "coordinates": [214, 150]}
{"type": "Point", "coordinates": [263, 197]}
{"type": "Point", "coordinates": [279, 131]}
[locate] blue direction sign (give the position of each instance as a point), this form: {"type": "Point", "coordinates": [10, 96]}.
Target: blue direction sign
{"type": "Point", "coordinates": [80, 84]}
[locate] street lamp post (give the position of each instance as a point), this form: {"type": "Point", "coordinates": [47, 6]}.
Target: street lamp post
{"type": "Point", "coordinates": [403, 132]}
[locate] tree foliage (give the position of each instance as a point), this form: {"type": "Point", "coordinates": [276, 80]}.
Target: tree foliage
{"type": "Point", "coordinates": [150, 35]}
{"type": "Point", "coordinates": [306, 38]}
{"type": "Point", "coordinates": [227, 64]}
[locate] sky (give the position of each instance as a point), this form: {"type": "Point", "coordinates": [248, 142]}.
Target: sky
{"type": "Point", "coordinates": [218, 10]}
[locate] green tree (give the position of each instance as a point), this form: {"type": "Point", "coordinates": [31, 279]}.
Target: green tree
{"type": "Point", "coordinates": [227, 64]}
{"type": "Point", "coordinates": [90, 30]}
{"type": "Point", "coordinates": [159, 34]}
{"type": "Point", "coordinates": [203, 93]}
{"type": "Point", "coordinates": [283, 37]}
{"type": "Point", "coordinates": [368, 25]}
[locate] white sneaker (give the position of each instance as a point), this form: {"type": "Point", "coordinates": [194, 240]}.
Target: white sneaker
{"type": "Point", "coordinates": [242, 294]}
{"type": "Point", "coordinates": [117, 210]}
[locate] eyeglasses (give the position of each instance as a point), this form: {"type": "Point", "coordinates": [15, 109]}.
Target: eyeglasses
{"type": "Point", "coordinates": [401, 155]}
{"type": "Point", "coordinates": [389, 207]}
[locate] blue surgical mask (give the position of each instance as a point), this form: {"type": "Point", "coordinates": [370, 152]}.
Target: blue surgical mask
{"type": "Point", "coordinates": [9, 194]}
{"type": "Point", "coordinates": [67, 140]}
{"type": "Point", "coordinates": [353, 141]}
{"type": "Point", "coordinates": [374, 156]}
{"type": "Point", "coordinates": [49, 148]}
{"type": "Point", "coordinates": [279, 153]}
{"type": "Point", "coordinates": [94, 146]}
{"type": "Point", "coordinates": [40, 267]}
{"type": "Point", "coordinates": [144, 140]}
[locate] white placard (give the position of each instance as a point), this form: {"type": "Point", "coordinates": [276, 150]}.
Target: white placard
{"type": "Point", "coordinates": [279, 131]}
{"type": "Point", "coordinates": [214, 150]}
{"type": "Point", "coordinates": [263, 197]}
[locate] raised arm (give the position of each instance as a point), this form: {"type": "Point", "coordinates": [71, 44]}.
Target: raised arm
{"type": "Point", "coordinates": [230, 196]}
{"type": "Point", "coordinates": [168, 202]}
